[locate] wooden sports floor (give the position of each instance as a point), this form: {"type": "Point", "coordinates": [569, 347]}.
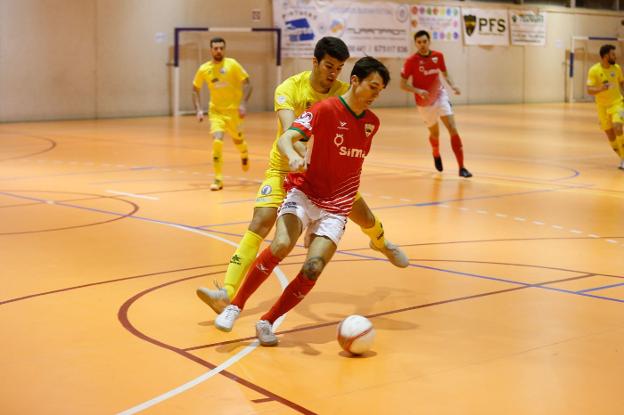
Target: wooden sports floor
{"type": "Point", "coordinates": [513, 303]}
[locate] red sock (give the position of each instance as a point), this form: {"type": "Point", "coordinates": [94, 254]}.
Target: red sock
{"type": "Point", "coordinates": [457, 149]}
{"type": "Point", "coordinates": [292, 295]}
{"type": "Point", "coordinates": [435, 145]}
{"type": "Point", "coordinates": [257, 274]}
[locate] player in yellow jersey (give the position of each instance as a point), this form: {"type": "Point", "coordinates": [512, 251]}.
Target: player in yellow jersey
{"type": "Point", "coordinates": [230, 89]}
{"type": "Point", "coordinates": [293, 97]}
{"type": "Point", "coordinates": [605, 83]}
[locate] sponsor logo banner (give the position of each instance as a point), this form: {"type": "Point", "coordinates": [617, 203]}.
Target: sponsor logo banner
{"type": "Point", "coordinates": [485, 26]}
{"type": "Point", "coordinates": [527, 28]}
{"type": "Point", "coordinates": [376, 29]}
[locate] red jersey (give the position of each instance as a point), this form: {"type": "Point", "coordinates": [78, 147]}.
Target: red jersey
{"type": "Point", "coordinates": [339, 142]}
{"type": "Point", "coordinates": [425, 73]}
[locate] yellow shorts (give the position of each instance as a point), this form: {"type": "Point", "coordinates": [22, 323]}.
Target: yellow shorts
{"type": "Point", "coordinates": [271, 192]}
{"type": "Point", "coordinates": [610, 115]}
{"type": "Point", "coordinates": [226, 121]}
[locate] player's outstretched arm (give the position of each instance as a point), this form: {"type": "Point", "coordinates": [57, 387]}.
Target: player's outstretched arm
{"type": "Point", "coordinates": [285, 145]}
{"type": "Point", "coordinates": [286, 118]}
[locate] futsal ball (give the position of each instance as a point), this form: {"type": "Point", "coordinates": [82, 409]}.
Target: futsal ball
{"type": "Point", "coordinates": [356, 334]}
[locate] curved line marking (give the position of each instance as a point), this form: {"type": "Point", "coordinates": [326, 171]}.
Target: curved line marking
{"type": "Point", "coordinates": [232, 360]}
{"type": "Point", "coordinates": [51, 142]}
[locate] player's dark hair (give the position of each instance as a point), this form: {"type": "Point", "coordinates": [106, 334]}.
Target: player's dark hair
{"type": "Point", "coordinates": [331, 46]}
{"type": "Point", "coordinates": [217, 40]}
{"type": "Point", "coordinates": [422, 33]}
{"type": "Point", "coordinates": [367, 65]}
{"type": "Point", "coordinates": [605, 49]}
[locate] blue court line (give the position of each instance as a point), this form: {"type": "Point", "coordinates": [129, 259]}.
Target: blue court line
{"type": "Point", "coordinates": [604, 287]}
{"type": "Point", "coordinates": [468, 274]}
{"type": "Point", "coordinates": [457, 273]}
{"type": "Point", "coordinates": [575, 172]}
{"type": "Point", "coordinates": [496, 196]}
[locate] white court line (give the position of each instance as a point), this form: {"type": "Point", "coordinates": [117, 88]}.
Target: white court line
{"type": "Point", "coordinates": [115, 192]}
{"type": "Point", "coordinates": [238, 356]}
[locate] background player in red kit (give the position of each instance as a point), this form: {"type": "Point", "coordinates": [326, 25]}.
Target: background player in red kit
{"type": "Point", "coordinates": [425, 67]}
{"type": "Point", "coordinates": [340, 130]}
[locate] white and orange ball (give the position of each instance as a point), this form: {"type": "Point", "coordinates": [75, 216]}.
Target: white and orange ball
{"type": "Point", "coordinates": [356, 334]}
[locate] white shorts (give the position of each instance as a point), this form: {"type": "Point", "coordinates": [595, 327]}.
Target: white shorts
{"type": "Point", "coordinates": [440, 108]}
{"type": "Point", "coordinates": [317, 221]}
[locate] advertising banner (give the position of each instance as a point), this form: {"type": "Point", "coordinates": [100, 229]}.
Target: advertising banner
{"type": "Point", "coordinates": [442, 22]}
{"type": "Point", "coordinates": [379, 29]}
{"type": "Point", "coordinates": [527, 28]}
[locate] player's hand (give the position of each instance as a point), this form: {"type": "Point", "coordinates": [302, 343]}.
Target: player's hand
{"type": "Point", "coordinates": [242, 110]}
{"type": "Point", "coordinates": [456, 90]}
{"type": "Point", "coordinates": [605, 86]}
{"type": "Point", "coordinates": [296, 163]}
{"type": "Point", "coordinates": [423, 93]}
{"type": "Point", "coordinates": [200, 115]}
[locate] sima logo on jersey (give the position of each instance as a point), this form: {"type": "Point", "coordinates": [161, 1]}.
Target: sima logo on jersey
{"type": "Point", "coordinates": [346, 151]}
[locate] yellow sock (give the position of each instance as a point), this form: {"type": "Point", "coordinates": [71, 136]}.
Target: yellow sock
{"type": "Point", "coordinates": [619, 145]}
{"type": "Point", "coordinates": [217, 158]}
{"type": "Point", "coordinates": [376, 233]}
{"type": "Point", "coordinates": [241, 145]}
{"type": "Point", "coordinates": [241, 260]}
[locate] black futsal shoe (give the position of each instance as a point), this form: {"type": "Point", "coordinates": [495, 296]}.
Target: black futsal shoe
{"type": "Point", "coordinates": [438, 163]}
{"type": "Point", "coordinates": [463, 172]}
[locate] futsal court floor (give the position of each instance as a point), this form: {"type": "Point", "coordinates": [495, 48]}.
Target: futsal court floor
{"type": "Point", "coordinates": [512, 303]}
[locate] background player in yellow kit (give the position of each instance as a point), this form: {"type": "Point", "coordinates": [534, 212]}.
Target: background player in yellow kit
{"type": "Point", "coordinates": [292, 98]}
{"type": "Point", "coordinates": [604, 82]}
{"type": "Point", "coordinates": [230, 89]}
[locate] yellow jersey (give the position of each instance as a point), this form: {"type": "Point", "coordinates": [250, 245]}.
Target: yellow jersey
{"type": "Point", "coordinates": [598, 75]}
{"type": "Point", "coordinates": [296, 94]}
{"type": "Point", "coordinates": [225, 83]}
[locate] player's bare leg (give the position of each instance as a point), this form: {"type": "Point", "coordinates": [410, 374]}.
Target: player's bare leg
{"type": "Point", "coordinates": [372, 227]}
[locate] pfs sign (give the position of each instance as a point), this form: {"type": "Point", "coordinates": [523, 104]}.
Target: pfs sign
{"type": "Point", "coordinates": [485, 27]}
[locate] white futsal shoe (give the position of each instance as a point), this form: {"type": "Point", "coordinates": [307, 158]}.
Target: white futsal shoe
{"type": "Point", "coordinates": [395, 255]}
{"type": "Point", "coordinates": [264, 333]}
{"type": "Point", "coordinates": [225, 320]}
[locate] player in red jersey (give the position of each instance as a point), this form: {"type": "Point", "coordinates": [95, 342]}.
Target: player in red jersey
{"type": "Point", "coordinates": [425, 67]}
{"type": "Point", "coordinates": [340, 130]}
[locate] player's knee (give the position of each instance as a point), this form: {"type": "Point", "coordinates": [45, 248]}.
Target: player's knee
{"type": "Point", "coordinates": [313, 267]}
{"type": "Point", "coordinates": [282, 245]}
{"type": "Point", "coordinates": [261, 224]}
